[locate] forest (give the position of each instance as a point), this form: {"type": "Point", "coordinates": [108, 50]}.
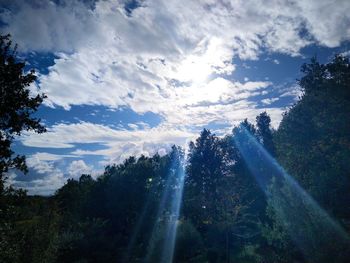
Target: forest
{"type": "Point", "coordinates": [256, 194]}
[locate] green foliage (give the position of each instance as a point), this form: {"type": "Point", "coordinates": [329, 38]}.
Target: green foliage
{"type": "Point", "coordinates": [249, 253]}
{"type": "Point", "coordinates": [23, 235]}
{"type": "Point", "coordinates": [205, 172]}
{"type": "Point", "coordinates": [314, 136]}
{"type": "Point", "coordinates": [264, 132]}
{"type": "Point", "coordinates": [28, 228]}
{"type": "Point", "coordinates": [16, 105]}
{"type": "Point", "coordinates": [312, 144]}
{"type": "Point", "coordinates": [189, 244]}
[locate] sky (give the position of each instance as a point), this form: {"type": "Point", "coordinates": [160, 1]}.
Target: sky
{"type": "Point", "coordinates": [135, 77]}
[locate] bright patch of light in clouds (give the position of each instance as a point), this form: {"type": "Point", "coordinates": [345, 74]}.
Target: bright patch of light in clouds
{"type": "Point", "coordinates": [210, 56]}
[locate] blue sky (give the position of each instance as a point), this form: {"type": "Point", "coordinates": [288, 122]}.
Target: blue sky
{"type": "Point", "coordinates": [134, 77]}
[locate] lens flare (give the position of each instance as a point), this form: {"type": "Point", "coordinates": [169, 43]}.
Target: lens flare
{"type": "Point", "coordinates": [167, 216]}
{"type": "Point", "coordinates": [171, 226]}
{"type": "Point", "coordinates": [313, 231]}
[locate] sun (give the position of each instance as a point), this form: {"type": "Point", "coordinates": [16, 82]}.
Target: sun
{"type": "Point", "coordinates": [195, 69]}
{"type": "Point", "coordinates": [210, 57]}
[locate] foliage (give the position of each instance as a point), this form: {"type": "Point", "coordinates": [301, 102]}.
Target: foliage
{"type": "Point", "coordinates": [312, 144]}
{"type": "Point", "coordinates": [314, 136]}
{"type": "Point", "coordinates": [16, 105]}
{"type": "Point", "coordinates": [23, 234]}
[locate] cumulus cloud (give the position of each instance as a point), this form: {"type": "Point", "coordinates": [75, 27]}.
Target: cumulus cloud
{"type": "Point", "coordinates": [327, 21]}
{"type": "Point", "coordinates": [48, 25]}
{"type": "Point", "coordinates": [165, 58]}
{"type": "Point", "coordinates": [79, 167]}
{"type": "Point", "coordinates": [44, 186]}
{"type": "Point", "coordinates": [107, 56]}
{"type": "Point", "coordinates": [41, 167]}
{"type": "Point", "coordinates": [119, 144]}
{"type": "Point", "coordinates": [45, 177]}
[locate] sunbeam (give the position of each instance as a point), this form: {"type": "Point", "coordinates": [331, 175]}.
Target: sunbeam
{"type": "Point", "coordinates": [293, 206]}
{"type": "Point", "coordinates": [168, 214]}
{"type": "Point", "coordinates": [171, 225]}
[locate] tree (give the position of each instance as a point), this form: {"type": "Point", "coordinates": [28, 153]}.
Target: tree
{"type": "Point", "coordinates": [312, 144]}
{"type": "Point", "coordinates": [264, 132]}
{"type": "Point", "coordinates": [16, 105]}
{"type": "Point", "coordinates": [313, 139]}
{"type": "Point", "coordinates": [251, 177]}
{"type": "Point", "coordinates": [204, 172]}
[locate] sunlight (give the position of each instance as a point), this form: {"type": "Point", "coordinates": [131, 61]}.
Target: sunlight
{"type": "Point", "coordinates": [211, 92]}
{"type": "Point", "coordinates": [210, 57]}
{"type": "Point", "coordinates": [292, 204]}
{"type": "Point", "coordinates": [162, 242]}
{"type": "Point", "coordinates": [171, 227]}
{"type": "Point", "coordinates": [195, 70]}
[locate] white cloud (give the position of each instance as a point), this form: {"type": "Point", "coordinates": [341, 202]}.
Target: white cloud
{"type": "Point", "coordinates": [44, 156]}
{"type": "Point", "coordinates": [119, 144]}
{"type": "Point", "coordinates": [79, 167]}
{"type": "Point", "coordinates": [45, 176]}
{"type": "Point", "coordinates": [42, 167]}
{"type": "Point", "coordinates": [293, 91]}
{"type": "Point", "coordinates": [269, 101]}
{"type": "Point", "coordinates": [327, 21]}
{"type": "Point", "coordinates": [133, 60]}
{"type": "Point", "coordinates": [346, 53]}
{"type": "Point", "coordinates": [48, 177]}
{"type": "Point", "coordinates": [47, 26]}
{"type": "Point", "coordinates": [45, 186]}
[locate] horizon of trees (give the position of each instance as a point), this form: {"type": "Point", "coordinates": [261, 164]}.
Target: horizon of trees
{"type": "Point", "coordinates": [254, 195]}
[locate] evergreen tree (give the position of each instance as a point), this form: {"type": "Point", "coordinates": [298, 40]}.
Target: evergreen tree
{"type": "Point", "coordinates": [204, 172]}
{"type": "Point", "coordinates": [264, 132]}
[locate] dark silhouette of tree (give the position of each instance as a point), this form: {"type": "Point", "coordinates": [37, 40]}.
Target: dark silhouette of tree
{"type": "Point", "coordinates": [16, 108]}
{"type": "Point", "coordinates": [312, 144]}
{"type": "Point", "coordinates": [204, 172]}
{"type": "Point", "coordinates": [314, 136]}
{"type": "Point", "coordinates": [264, 132]}
{"type": "Point", "coordinates": [16, 105]}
